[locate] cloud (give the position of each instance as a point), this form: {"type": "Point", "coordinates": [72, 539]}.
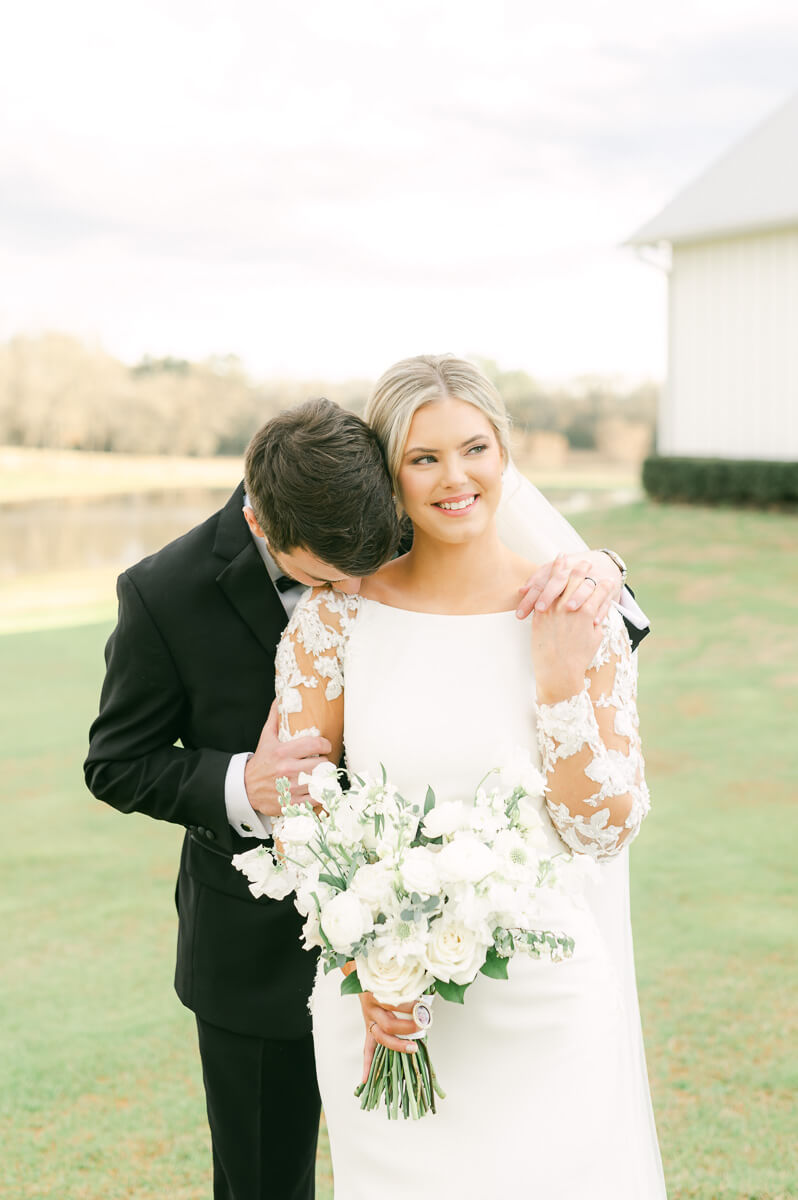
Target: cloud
{"type": "Point", "coordinates": [437, 157]}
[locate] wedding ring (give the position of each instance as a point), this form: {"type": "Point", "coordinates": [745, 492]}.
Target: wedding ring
{"type": "Point", "coordinates": [590, 579]}
{"type": "Point", "coordinates": [422, 1014]}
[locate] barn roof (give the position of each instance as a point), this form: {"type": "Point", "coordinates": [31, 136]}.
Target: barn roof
{"type": "Point", "coordinates": [754, 186]}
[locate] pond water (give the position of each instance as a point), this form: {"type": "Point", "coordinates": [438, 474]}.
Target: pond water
{"type": "Point", "coordinates": [69, 534]}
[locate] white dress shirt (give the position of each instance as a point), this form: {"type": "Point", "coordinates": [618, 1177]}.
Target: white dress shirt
{"type": "Point", "coordinates": [240, 813]}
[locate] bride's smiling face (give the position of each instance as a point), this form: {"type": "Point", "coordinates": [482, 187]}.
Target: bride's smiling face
{"type": "Point", "coordinates": [450, 478]}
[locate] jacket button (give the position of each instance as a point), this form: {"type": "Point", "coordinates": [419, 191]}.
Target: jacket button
{"type": "Point", "coordinates": [210, 835]}
{"type": "Point", "coordinates": [200, 830]}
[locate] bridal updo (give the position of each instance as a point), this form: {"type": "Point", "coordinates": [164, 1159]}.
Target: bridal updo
{"type": "Point", "coordinates": [410, 384]}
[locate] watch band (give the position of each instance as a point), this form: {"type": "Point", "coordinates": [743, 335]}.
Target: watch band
{"type": "Point", "coordinates": [616, 558]}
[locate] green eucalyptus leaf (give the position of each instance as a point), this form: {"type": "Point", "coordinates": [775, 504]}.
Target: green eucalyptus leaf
{"type": "Point", "coordinates": [333, 880]}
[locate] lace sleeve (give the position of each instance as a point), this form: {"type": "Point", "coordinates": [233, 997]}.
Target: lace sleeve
{"type": "Point", "coordinates": [309, 666]}
{"type": "Point", "coordinates": [590, 750]}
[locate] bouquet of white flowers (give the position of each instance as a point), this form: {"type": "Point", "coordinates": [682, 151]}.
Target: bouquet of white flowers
{"type": "Point", "coordinates": [421, 897]}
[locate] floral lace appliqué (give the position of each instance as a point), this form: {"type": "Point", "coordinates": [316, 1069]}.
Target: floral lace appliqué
{"type": "Point", "coordinates": [567, 728]}
{"type": "Point", "coordinates": [311, 653]}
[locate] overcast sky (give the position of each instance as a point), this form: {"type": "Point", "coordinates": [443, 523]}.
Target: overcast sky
{"type": "Point", "coordinates": [324, 187]}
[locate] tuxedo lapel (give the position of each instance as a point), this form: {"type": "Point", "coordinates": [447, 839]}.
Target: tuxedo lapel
{"type": "Point", "coordinates": [244, 579]}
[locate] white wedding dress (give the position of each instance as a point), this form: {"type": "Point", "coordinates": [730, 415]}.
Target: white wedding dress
{"type": "Point", "coordinates": [546, 1088]}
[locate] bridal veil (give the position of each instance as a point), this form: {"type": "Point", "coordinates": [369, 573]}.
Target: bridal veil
{"type": "Point", "coordinates": [530, 525]}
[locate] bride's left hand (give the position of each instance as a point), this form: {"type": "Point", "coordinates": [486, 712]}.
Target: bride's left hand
{"type": "Point", "coordinates": [382, 1027]}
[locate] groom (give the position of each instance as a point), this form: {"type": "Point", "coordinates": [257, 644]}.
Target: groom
{"type": "Point", "coordinates": [187, 733]}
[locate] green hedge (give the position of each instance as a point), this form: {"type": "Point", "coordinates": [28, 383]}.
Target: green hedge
{"type": "Point", "coordinates": [751, 482]}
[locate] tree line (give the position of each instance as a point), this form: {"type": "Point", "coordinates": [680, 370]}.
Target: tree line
{"type": "Point", "coordinates": [59, 392]}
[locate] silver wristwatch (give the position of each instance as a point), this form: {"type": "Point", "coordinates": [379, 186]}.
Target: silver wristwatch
{"type": "Point", "coordinates": [616, 558]}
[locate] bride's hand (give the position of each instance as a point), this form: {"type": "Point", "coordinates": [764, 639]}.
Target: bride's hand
{"type": "Point", "coordinates": [565, 640]}
{"type": "Point", "coordinates": [383, 1027]}
{"type": "Point", "coordinates": [551, 580]}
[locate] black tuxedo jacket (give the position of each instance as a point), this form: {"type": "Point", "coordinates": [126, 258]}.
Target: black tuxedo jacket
{"type": "Point", "coordinates": [189, 682]}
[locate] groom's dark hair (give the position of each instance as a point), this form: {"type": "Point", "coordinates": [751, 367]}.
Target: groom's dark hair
{"type": "Point", "coordinates": [317, 480]}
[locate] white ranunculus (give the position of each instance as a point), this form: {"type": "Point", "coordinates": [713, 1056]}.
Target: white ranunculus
{"type": "Point", "coordinates": [419, 871]}
{"type": "Point", "coordinates": [454, 952]}
{"type": "Point", "coordinates": [345, 919]}
{"type": "Point", "coordinates": [392, 982]}
{"type": "Point", "coordinates": [322, 783]}
{"type": "Point", "coordinates": [465, 860]}
{"type": "Point", "coordinates": [447, 818]}
{"type": "Point", "coordinates": [374, 884]}
{"type": "Point", "coordinates": [266, 878]}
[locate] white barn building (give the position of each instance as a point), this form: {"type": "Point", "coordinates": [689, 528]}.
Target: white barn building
{"type": "Point", "coordinates": [731, 238]}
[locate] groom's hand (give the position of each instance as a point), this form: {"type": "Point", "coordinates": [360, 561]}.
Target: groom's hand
{"type": "Point", "coordinates": [274, 759]}
{"type": "Point", "coordinates": [584, 571]}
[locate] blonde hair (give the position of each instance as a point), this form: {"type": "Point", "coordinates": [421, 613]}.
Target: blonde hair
{"type": "Point", "coordinates": [410, 384]}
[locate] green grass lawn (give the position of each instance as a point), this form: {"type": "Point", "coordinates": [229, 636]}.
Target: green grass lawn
{"type": "Point", "coordinates": [100, 1091]}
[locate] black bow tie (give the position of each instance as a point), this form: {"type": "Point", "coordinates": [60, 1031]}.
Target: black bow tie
{"type": "Point", "coordinates": [284, 583]}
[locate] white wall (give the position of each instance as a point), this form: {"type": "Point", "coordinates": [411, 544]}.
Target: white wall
{"type": "Point", "coordinates": [732, 386]}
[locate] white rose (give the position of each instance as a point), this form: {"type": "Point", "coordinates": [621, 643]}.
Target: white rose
{"type": "Point", "coordinates": [266, 878]}
{"type": "Point", "coordinates": [392, 982]}
{"type": "Point", "coordinates": [465, 860]}
{"type": "Point", "coordinates": [446, 819]}
{"type": "Point", "coordinates": [419, 871]}
{"type": "Point", "coordinates": [345, 919]}
{"type": "Point", "coordinates": [374, 884]}
{"type": "Point", "coordinates": [454, 953]}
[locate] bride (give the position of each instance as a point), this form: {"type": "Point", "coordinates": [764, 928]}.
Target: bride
{"type": "Point", "coordinates": [430, 672]}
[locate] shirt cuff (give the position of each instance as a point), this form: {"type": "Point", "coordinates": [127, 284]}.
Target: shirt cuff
{"type": "Point", "coordinates": [240, 813]}
{"type": "Point", "coordinates": [629, 608]}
